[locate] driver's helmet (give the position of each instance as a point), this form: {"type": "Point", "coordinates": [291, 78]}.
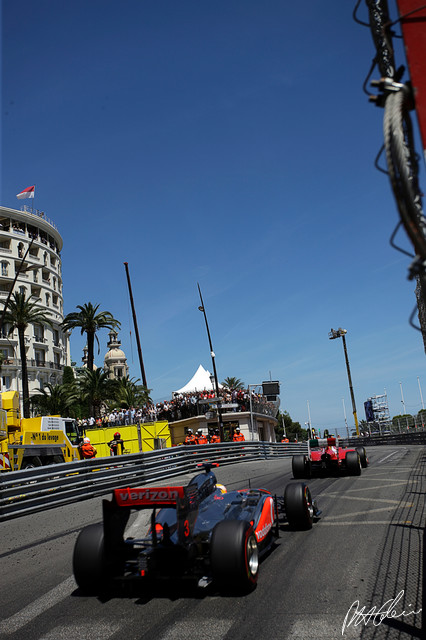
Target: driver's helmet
{"type": "Point", "coordinates": [117, 435]}
{"type": "Point", "coordinates": [200, 432]}
{"type": "Point", "coordinates": [189, 430]}
{"type": "Point", "coordinates": [86, 440]}
{"type": "Point", "coordinates": [221, 488]}
{"type": "Point", "coordinates": [237, 429]}
{"type": "Point", "coordinates": [217, 431]}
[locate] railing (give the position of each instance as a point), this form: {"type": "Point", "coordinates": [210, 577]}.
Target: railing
{"type": "Point", "coordinates": [411, 437]}
{"type": "Point", "coordinates": [208, 408]}
{"type": "Point", "coordinates": [33, 490]}
{"type": "Point", "coordinates": [42, 364]}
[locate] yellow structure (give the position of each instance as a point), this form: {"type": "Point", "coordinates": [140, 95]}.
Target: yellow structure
{"type": "Point", "coordinates": [148, 437]}
{"type": "Point", "coordinates": [33, 442]}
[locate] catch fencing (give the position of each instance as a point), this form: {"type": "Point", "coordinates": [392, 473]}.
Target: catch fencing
{"type": "Point", "coordinates": [33, 490]}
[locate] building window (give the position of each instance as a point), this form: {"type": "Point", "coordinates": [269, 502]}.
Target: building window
{"type": "Point", "coordinates": [39, 332]}
{"type": "Point", "coordinates": [21, 250]}
{"type": "Point", "coordinates": [47, 299]}
{"type": "Point", "coordinates": [23, 291]}
{"type": "Point", "coordinates": [4, 268]}
{"type": "Point", "coordinates": [39, 357]}
{"type": "Point", "coordinates": [5, 383]}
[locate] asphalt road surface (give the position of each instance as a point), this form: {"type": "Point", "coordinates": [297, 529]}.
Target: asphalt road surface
{"type": "Point", "coordinates": [357, 574]}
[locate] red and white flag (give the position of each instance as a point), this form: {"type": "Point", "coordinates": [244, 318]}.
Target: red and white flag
{"type": "Point", "coordinates": [26, 193]}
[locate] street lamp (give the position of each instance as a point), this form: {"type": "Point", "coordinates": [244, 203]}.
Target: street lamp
{"type": "Point", "coordinates": [340, 333]}
{"type": "Point", "coordinates": [216, 383]}
{"type": "Point", "coordinates": [250, 387]}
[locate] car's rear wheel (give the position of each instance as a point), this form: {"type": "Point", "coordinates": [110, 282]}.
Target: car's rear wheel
{"type": "Point", "coordinates": [363, 457]}
{"type": "Point", "coordinates": [234, 555]}
{"type": "Point", "coordinates": [299, 506]}
{"type": "Point", "coordinates": [353, 463]}
{"type": "Point", "coordinates": [89, 561]}
{"type": "Point", "coordinates": [301, 467]}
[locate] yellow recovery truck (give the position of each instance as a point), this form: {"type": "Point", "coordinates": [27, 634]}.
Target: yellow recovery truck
{"type": "Point", "coordinates": [33, 442]}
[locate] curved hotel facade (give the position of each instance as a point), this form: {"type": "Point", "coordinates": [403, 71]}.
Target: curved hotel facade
{"type": "Point", "coordinates": [47, 348]}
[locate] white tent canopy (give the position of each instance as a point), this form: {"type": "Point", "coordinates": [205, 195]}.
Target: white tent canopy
{"type": "Point", "coordinates": [200, 381]}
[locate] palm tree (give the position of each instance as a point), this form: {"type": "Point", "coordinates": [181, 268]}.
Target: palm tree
{"type": "Point", "coordinates": [57, 399]}
{"type": "Point", "coordinates": [89, 321]}
{"type": "Point", "coordinates": [21, 312]}
{"type": "Point", "coordinates": [130, 394]}
{"type": "Point", "coordinates": [233, 384]}
{"type": "Point", "coordinates": [97, 389]}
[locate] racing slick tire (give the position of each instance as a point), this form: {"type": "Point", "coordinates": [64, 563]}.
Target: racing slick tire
{"type": "Point", "coordinates": [89, 562]}
{"type": "Point", "coordinates": [301, 467]}
{"type": "Point", "coordinates": [353, 463]}
{"type": "Point", "coordinates": [362, 456]}
{"type": "Point", "coordinates": [298, 505]}
{"type": "Point", "coordinates": [234, 555]}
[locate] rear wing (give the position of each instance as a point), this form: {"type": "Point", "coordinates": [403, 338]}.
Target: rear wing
{"type": "Point", "coordinates": [148, 497]}
{"type": "Point", "coordinates": [185, 500]}
{"type": "Point", "coordinates": [316, 443]}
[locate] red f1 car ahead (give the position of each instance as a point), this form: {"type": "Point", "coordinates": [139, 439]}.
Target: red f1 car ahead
{"type": "Point", "coordinates": [199, 531]}
{"type": "Point", "coordinates": [326, 456]}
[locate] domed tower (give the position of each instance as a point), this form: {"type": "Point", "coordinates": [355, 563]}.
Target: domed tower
{"type": "Point", "coordinates": [115, 362]}
{"type": "Point", "coordinates": [85, 359]}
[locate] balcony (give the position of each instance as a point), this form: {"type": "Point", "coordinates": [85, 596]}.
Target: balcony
{"type": "Point", "coordinates": [9, 362]}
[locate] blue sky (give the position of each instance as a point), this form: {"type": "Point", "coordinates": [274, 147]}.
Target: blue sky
{"type": "Point", "coordinates": [227, 143]}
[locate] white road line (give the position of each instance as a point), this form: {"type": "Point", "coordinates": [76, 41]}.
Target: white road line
{"type": "Point", "coordinates": [207, 629]}
{"type": "Point", "coordinates": [357, 523]}
{"type": "Point", "coordinates": [380, 486]}
{"type": "Point", "coordinates": [39, 606]}
{"type": "Point", "coordinates": [385, 500]}
{"type": "Point", "coordinates": [359, 513]}
{"type": "Point", "coordinates": [84, 631]}
{"type": "Point", "coordinates": [386, 457]}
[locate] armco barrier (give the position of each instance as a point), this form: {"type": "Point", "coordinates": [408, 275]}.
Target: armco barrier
{"type": "Point", "coordinates": [410, 437]}
{"type": "Point", "coordinates": [34, 490]}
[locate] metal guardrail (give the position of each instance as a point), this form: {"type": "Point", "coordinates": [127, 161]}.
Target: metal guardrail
{"type": "Point", "coordinates": [412, 437]}
{"type": "Point", "coordinates": [33, 490]}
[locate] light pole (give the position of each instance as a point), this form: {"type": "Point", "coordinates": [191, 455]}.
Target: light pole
{"type": "Point", "coordinates": [421, 395]}
{"type": "Point", "coordinates": [309, 418]}
{"type": "Point", "coordinates": [250, 387]}
{"type": "Point", "coordinates": [219, 404]}
{"type": "Point", "coordinates": [340, 333]}
{"type": "Point", "coordinates": [144, 382]}
{"type": "Point", "coordinates": [402, 399]}
{"type": "Point", "coordinates": [344, 413]}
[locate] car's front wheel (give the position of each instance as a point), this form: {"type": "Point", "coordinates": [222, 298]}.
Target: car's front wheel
{"type": "Point", "coordinates": [234, 555]}
{"type": "Point", "coordinates": [299, 507]}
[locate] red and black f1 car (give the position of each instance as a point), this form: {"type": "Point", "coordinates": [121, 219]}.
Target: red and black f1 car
{"type": "Point", "coordinates": [326, 456]}
{"type": "Point", "coordinates": [199, 531]}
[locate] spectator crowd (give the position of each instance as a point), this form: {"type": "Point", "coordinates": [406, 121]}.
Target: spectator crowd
{"type": "Point", "coordinates": [182, 406]}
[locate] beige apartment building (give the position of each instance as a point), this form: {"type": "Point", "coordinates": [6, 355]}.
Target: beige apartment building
{"type": "Point", "coordinates": [41, 277]}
